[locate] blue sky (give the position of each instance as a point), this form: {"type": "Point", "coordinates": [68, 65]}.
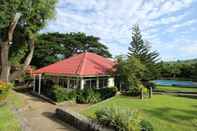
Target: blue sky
{"type": "Point", "coordinates": [170, 25]}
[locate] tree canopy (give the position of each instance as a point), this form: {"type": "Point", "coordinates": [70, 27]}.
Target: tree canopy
{"type": "Point", "coordinates": [52, 47]}
{"type": "Point", "coordinates": [20, 20]}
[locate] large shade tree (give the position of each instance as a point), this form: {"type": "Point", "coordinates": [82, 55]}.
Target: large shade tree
{"type": "Point", "coordinates": [52, 47]}
{"type": "Point", "coordinates": [20, 20]}
{"type": "Point", "coordinates": [141, 50]}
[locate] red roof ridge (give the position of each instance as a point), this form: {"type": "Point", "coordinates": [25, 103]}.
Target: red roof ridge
{"type": "Point", "coordinates": [80, 67]}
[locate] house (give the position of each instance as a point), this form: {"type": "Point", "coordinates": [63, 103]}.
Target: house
{"type": "Point", "coordinates": [78, 71]}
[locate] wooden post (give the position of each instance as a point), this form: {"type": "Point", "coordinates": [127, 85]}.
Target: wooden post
{"type": "Point", "coordinates": [150, 92]}
{"type": "Point", "coordinates": [97, 82]}
{"type": "Point", "coordinates": [34, 86]}
{"type": "Point", "coordinates": [40, 78]}
{"type": "Point", "coordinates": [142, 94]}
{"type": "Point", "coordinates": [68, 83]}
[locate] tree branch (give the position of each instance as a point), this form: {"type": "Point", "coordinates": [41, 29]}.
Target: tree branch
{"type": "Point", "coordinates": [27, 61]}
{"type": "Point", "coordinates": [12, 26]}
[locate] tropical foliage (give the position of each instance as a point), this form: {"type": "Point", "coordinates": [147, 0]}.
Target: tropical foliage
{"type": "Point", "coordinates": [87, 95]}
{"type": "Point", "coordinates": [122, 119]}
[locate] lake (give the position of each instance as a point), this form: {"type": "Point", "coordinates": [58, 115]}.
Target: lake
{"type": "Point", "coordinates": [174, 82]}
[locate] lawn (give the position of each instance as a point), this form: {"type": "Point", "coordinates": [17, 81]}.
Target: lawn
{"type": "Point", "coordinates": [165, 112]}
{"type": "Point", "coordinates": [177, 88]}
{"type": "Point", "coordinates": [8, 120]}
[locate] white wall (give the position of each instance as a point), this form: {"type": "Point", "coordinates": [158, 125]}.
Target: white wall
{"type": "Point", "coordinates": [111, 82]}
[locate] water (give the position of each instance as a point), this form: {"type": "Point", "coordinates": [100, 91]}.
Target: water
{"type": "Point", "coordinates": [173, 82]}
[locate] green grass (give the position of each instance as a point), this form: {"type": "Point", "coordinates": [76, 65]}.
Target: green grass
{"type": "Point", "coordinates": [177, 88]}
{"type": "Point", "coordinates": [8, 120]}
{"type": "Point", "coordinates": [165, 112]}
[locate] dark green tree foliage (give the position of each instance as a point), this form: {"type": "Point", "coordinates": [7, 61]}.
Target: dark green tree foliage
{"type": "Point", "coordinates": [29, 16]}
{"type": "Point", "coordinates": [141, 50]}
{"type": "Point", "coordinates": [178, 70]}
{"type": "Point", "coordinates": [52, 47]}
{"type": "Point", "coordinates": [129, 70]}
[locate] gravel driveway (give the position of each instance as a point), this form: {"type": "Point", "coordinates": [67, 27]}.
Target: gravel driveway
{"type": "Point", "coordinates": [38, 115]}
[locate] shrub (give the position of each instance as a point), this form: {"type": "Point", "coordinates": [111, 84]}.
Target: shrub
{"type": "Point", "coordinates": [120, 120]}
{"type": "Point", "coordinates": [87, 95]}
{"type": "Point", "coordinates": [107, 92]}
{"type": "Point", "coordinates": [135, 91]}
{"type": "Point", "coordinates": [72, 94]}
{"type": "Point", "coordinates": [60, 94]}
{"type": "Point", "coordinates": [4, 90]}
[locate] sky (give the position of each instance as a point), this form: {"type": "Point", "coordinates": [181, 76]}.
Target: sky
{"type": "Point", "coordinates": [170, 25]}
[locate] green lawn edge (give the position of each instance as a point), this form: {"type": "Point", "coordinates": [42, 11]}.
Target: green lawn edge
{"type": "Point", "coordinates": [165, 112]}
{"type": "Point", "coordinates": [8, 119]}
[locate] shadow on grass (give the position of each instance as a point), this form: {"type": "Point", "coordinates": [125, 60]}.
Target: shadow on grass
{"type": "Point", "coordinates": [55, 119]}
{"type": "Point", "coordinates": [187, 96]}
{"type": "Point", "coordinates": [173, 115]}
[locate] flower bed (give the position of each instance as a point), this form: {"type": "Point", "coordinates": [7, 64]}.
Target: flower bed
{"type": "Point", "coordinates": [4, 90]}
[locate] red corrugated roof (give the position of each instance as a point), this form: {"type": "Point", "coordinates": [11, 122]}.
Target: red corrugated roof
{"type": "Point", "coordinates": [84, 64]}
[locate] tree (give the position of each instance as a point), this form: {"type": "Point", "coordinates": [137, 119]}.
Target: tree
{"type": "Point", "coordinates": [52, 47]}
{"type": "Point", "coordinates": [20, 20]}
{"type": "Point", "coordinates": [141, 50]}
{"type": "Point", "coordinates": [129, 70]}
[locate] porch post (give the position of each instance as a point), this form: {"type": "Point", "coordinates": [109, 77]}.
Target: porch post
{"type": "Point", "coordinates": [97, 82]}
{"type": "Point", "coordinates": [34, 86]}
{"type": "Point", "coordinates": [39, 88]}
{"type": "Point", "coordinates": [68, 83]}
{"type": "Point", "coordinates": [82, 83]}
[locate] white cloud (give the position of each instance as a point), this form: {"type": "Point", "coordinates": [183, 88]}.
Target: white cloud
{"type": "Point", "coordinates": [111, 20]}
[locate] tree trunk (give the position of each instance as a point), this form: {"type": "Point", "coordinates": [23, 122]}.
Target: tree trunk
{"type": "Point", "coordinates": [5, 67]}
{"type": "Point", "coordinates": [28, 59]}
{"type": "Point", "coordinates": [5, 45]}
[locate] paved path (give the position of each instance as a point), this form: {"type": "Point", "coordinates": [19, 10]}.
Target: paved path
{"type": "Point", "coordinates": [38, 115]}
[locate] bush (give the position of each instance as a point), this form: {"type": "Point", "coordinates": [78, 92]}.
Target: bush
{"type": "Point", "coordinates": [120, 120]}
{"type": "Point", "coordinates": [4, 90]}
{"type": "Point", "coordinates": [107, 92]}
{"type": "Point", "coordinates": [88, 95]}
{"type": "Point", "coordinates": [60, 94]}
{"type": "Point", "coordinates": [135, 91]}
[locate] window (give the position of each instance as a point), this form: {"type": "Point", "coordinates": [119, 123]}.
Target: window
{"type": "Point", "coordinates": [90, 83]}
{"type": "Point", "coordinates": [103, 82]}
{"type": "Point", "coordinates": [63, 82]}
{"type": "Point", "coordinates": [74, 83]}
